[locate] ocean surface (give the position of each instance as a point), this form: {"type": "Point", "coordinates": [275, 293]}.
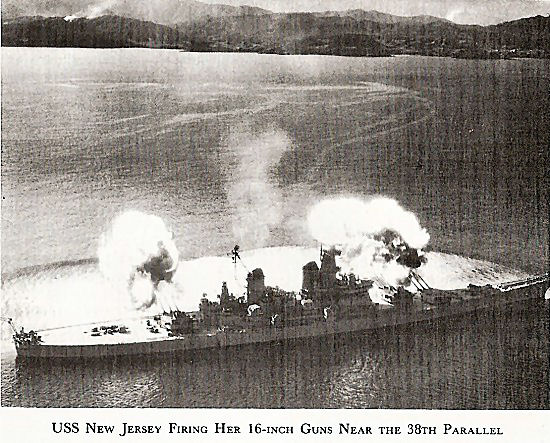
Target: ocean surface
{"type": "Point", "coordinates": [235, 149]}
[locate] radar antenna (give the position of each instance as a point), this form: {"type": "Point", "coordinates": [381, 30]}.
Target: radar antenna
{"type": "Point", "coordinates": [236, 257]}
{"type": "Point", "coordinates": [235, 253]}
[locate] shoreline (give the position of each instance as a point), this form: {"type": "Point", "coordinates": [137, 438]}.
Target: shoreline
{"type": "Point", "coordinates": [186, 51]}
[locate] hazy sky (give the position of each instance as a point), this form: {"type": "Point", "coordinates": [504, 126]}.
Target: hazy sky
{"type": "Point", "coordinates": [460, 11]}
{"type": "Point", "coordinates": [481, 12]}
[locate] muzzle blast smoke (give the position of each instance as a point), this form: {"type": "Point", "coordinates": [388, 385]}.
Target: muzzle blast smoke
{"type": "Point", "coordinates": [377, 238]}
{"type": "Point", "coordinates": [137, 253]}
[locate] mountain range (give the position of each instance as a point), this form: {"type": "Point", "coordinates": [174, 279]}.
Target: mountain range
{"type": "Point", "coordinates": [169, 12]}
{"type": "Point", "coordinates": [194, 26]}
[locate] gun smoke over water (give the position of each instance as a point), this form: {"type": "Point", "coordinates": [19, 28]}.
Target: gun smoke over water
{"type": "Point", "coordinates": [378, 238]}
{"type": "Point", "coordinates": [137, 254]}
{"type": "Point", "coordinates": [256, 199]}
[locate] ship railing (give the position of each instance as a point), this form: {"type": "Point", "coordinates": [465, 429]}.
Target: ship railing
{"type": "Point", "coordinates": [526, 280]}
{"type": "Point", "coordinates": [517, 284]}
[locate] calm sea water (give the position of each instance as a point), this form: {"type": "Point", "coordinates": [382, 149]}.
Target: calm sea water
{"type": "Point", "coordinates": [234, 148]}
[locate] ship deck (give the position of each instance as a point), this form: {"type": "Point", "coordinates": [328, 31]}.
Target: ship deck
{"type": "Point", "coordinates": [139, 332]}
{"type": "Point", "coordinates": [80, 335]}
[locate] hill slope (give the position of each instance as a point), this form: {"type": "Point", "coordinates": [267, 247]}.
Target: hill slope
{"type": "Point", "coordinates": [166, 12]}
{"type": "Point", "coordinates": [353, 33]}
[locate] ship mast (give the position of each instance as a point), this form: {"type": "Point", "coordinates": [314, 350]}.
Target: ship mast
{"type": "Point", "coordinates": [235, 255]}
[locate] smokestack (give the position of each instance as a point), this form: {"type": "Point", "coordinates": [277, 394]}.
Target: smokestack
{"type": "Point", "coordinates": [327, 273]}
{"type": "Point", "coordinates": [310, 277]}
{"type": "Point", "coordinates": [255, 290]}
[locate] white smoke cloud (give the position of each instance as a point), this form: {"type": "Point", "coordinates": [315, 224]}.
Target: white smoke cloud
{"type": "Point", "coordinates": [142, 291]}
{"type": "Point", "coordinates": [378, 238]}
{"type": "Point", "coordinates": [256, 199]}
{"type": "Point", "coordinates": [337, 221]}
{"type": "Point", "coordinates": [135, 240]}
{"type": "Point", "coordinates": [100, 9]}
{"type": "Point", "coordinates": [92, 11]}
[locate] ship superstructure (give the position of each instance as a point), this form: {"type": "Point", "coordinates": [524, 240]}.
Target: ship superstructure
{"type": "Point", "coordinates": [329, 302]}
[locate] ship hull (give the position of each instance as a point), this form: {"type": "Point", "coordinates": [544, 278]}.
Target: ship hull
{"type": "Point", "coordinates": [372, 319]}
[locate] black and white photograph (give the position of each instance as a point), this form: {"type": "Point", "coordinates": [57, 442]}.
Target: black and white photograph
{"type": "Point", "coordinates": [283, 205]}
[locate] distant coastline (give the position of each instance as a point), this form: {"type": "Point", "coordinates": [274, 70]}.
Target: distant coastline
{"type": "Point", "coordinates": [349, 35]}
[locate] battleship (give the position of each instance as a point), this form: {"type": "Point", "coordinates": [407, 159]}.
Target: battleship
{"type": "Point", "coordinates": [329, 303]}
